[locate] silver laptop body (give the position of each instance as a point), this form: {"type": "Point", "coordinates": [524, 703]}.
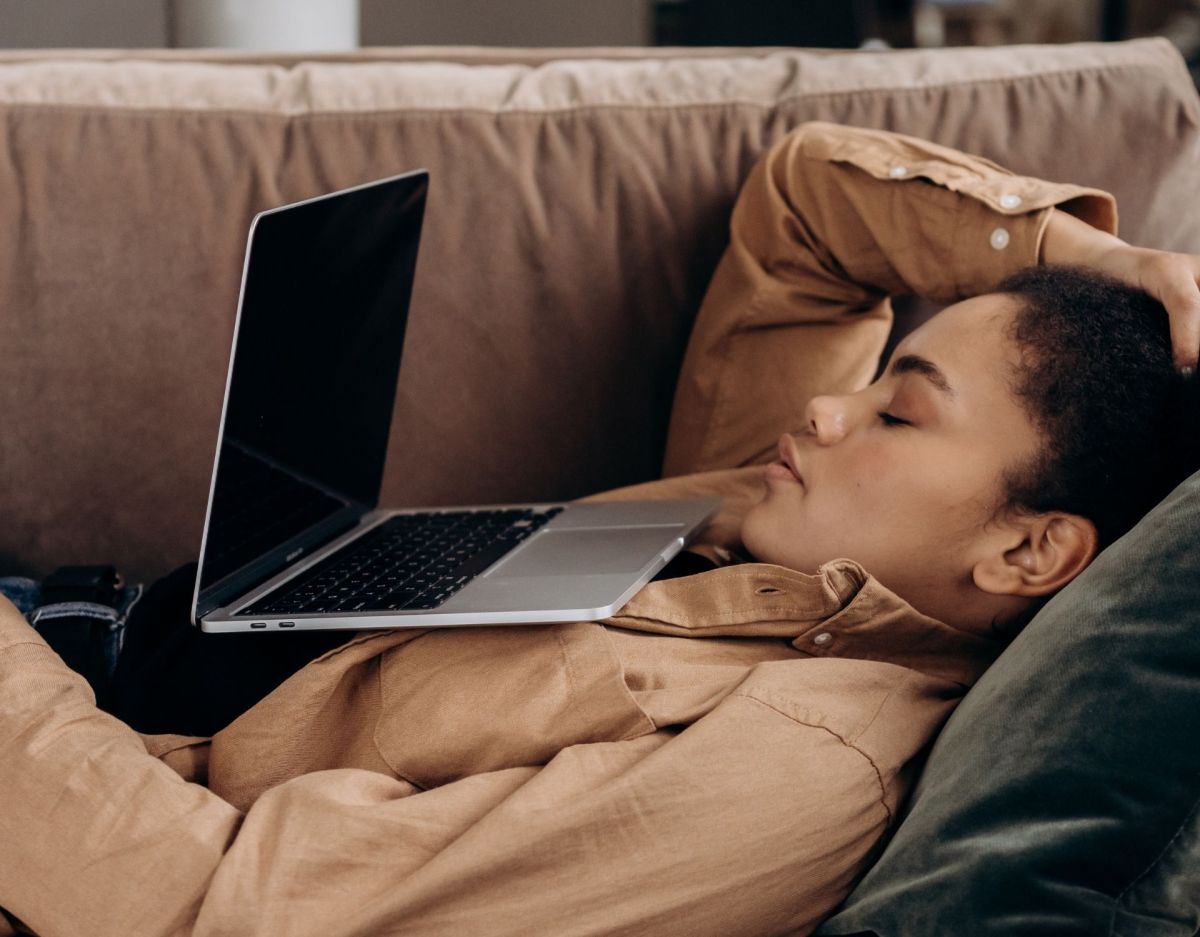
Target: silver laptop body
{"type": "Point", "coordinates": [293, 537]}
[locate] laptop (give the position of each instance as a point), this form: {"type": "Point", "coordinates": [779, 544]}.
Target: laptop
{"type": "Point", "coordinates": [294, 538]}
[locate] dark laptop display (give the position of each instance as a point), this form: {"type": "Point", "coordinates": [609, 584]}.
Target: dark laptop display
{"type": "Point", "coordinates": [295, 537]}
{"type": "Point", "coordinates": [312, 384]}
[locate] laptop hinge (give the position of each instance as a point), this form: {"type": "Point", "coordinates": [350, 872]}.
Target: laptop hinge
{"type": "Point", "coordinates": [271, 564]}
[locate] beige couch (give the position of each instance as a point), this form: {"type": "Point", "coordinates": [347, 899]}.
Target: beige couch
{"type": "Point", "coordinates": [578, 205]}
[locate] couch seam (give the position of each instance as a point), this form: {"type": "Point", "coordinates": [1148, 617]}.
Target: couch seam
{"type": "Point", "coordinates": [575, 108]}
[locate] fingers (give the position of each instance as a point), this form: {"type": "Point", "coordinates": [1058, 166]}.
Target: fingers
{"type": "Point", "coordinates": [1181, 296]}
{"type": "Point", "coordinates": [1172, 279]}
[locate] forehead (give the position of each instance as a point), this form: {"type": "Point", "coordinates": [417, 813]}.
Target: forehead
{"type": "Point", "coordinates": [984, 421]}
{"type": "Point", "coordinates": [969, 343]}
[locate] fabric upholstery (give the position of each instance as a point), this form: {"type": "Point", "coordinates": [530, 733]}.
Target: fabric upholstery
{"type": "Point", "coordinates": [577, 210]}
{"type": "Point", "coordinates": [1061, 798]}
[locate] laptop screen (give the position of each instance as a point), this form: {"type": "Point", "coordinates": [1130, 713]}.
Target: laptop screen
{"type": "Point", "coordinates": [313, 376]}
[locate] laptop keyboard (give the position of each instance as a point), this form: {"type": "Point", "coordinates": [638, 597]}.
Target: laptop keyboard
{"type": "Point", "coordinates": [410, 561]}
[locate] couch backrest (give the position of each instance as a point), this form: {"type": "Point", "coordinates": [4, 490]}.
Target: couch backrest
{"type": "Point", "coordinates": [577, 208]}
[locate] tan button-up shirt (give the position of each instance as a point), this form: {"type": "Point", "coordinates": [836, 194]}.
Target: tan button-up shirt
{"type": "Point", "coordinates": [722, 757]}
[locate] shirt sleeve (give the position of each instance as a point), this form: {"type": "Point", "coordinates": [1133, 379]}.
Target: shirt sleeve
{"type": "Point", "coordinates": [751, 820]}
{"type": "Point", "coordinates": [832, 222]}
{"type": "Point", "coordinates": [90, 821]}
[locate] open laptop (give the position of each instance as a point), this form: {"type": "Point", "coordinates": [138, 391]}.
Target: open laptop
{"type": "Point", "coordinates": [294, 537]}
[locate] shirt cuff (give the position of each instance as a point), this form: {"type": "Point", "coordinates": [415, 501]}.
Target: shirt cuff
{"type": "Point", "coordinates": [999, 217]}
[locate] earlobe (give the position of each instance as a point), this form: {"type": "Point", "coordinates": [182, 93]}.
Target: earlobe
{"type": "Point", "coordinates": [1054, 548]}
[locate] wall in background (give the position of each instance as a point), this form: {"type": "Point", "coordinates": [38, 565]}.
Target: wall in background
{"type": "Point", "coordinates": [127, 24]}
{"type": "Point", "coordinates": [508, 23]}
{"type": "Point", "coordinates": [143, 23]}
{"type": "Point", "coordinates": [114, 24]}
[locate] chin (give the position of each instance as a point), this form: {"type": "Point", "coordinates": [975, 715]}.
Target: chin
{"type": "Point", "coordinates": [758, 545]}
{"type": "Point", "coordinates": [746, 533]}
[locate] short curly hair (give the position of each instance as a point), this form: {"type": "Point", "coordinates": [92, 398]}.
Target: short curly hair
{"type": "Point", "coordinates": [1096, 377]}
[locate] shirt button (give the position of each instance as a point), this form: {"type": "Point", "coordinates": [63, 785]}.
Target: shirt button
{"type": "Point", "coordinates": [823, 638]}
{"type": "Point", "coordinates": [1010, 201]}
{"type": "Point", "coordinates": [898, 172]}
{"type": "Point", "coordinates": [999, 239]}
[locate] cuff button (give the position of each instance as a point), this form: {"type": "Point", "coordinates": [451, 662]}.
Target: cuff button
{"type": "Point", "coordinates": [1010, 200]}
{"type": "Point", "coordinates": [898, 172]}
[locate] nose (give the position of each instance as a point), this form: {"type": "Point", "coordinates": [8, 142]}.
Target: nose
{"type": "Point", "coordinates": [826, 419]}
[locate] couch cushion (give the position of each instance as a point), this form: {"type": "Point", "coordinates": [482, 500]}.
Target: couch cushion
{"type": "Point", "coordinates": [1062, 796]}
{"type": "Point", "coordinates": [577, 209]}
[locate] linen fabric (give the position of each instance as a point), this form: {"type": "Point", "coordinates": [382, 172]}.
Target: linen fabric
{"type": "Point", "coordinates": [577, 207]}
{"type": "Point", "coordinates": [721, 757]}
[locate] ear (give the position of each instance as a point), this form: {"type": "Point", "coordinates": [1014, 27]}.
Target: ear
{"type": "Point", "coordinates": [1038, 555]}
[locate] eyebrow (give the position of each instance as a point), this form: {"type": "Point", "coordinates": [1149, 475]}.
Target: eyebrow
{"type": "Point", "coordinates": [915, 364]}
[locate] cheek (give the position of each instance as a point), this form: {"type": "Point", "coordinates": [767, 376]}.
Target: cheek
{"type": "Point", "coordinates": [872, 467]}
{"type": "Point", "coordinates": [870, 478]}
{"type": "Point", "coordinates": [932, 500]}
{"type": "Point", "coordinates": [898, 487]}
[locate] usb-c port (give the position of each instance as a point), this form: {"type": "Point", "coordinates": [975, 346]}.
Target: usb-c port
{"type": "Point", "coordinates": [287, 624]}
{"type": "Point", "coordinates": [259, 624]}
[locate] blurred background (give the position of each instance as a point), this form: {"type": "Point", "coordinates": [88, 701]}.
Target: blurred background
{"type": "Point", "coordinates": [313, 25]}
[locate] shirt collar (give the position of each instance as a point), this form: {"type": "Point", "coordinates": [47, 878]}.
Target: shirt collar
{"type": "Point", "coordinates": [839, 611]}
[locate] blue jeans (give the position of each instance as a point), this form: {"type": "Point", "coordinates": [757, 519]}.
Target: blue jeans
{"type": "Point", "coordinates": [87, 635]}
{"type": "Point", "coordinates": [169, 676]}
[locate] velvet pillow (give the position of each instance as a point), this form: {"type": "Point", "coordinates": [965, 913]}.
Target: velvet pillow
{"type": "Point", "coordinates": [1063, 796]}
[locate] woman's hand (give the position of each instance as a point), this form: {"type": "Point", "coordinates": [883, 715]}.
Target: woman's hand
{"type": "Point", "coordinates": [1172, 279]}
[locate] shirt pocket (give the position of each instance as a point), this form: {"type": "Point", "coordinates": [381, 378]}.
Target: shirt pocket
{"type": "Point", "coordinates": [462, 701]}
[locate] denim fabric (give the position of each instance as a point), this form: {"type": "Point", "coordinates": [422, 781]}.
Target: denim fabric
{"type": "Point", "coordinates": [88, 635]}
{"type": "Point", "coordinates": [24, 593]}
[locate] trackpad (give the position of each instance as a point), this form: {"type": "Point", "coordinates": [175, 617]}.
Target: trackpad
{"type": "Point", "coordinates": [577, 552]}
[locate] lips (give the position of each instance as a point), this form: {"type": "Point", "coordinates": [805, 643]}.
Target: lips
{"type": "Point", "coordinates": [787, 455]}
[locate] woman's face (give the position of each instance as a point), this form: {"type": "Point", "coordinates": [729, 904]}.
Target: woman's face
{"type": "Point", "coordinates": [904, 475]}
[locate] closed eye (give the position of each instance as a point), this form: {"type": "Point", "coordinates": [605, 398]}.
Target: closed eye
{"type": "Point", "coordinates": [889, 420]}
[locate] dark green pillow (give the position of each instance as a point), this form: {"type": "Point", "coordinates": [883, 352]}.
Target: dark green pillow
{"type": "Point", "coordinates": [1063, 796]}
